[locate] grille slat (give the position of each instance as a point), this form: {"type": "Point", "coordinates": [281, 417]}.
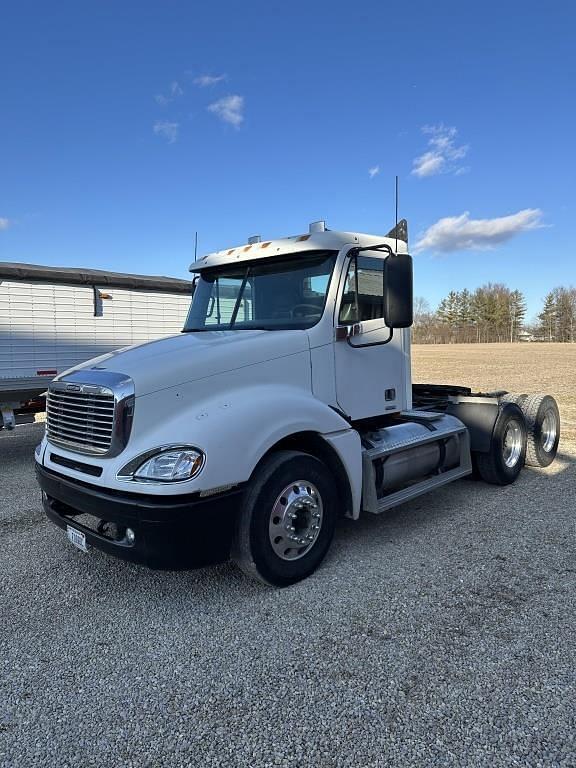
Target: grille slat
{"type": "Point", "coordinates": [97, 405]}
{"type": "Point", "coordinates": [78, 430]}
{"type": "Point", "coordinates": [85, 439]}
{"type": "Point", "coordinates": [59, 415]}
{"type": "Point", "coordinates": [82, 420]}
{"type": "Point", "coordinates": [101, 431]}
{"type": "Point", "coordinates": [94, 402]}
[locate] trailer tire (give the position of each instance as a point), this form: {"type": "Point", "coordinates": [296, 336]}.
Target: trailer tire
{"type": "Point", "coordinates": [543, 425]}
{"type": "Point", "coordinates": [505, 459]}
{"type": "Point", "coordinates": [289, 488]}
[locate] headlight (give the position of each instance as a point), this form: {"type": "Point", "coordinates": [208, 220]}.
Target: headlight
{"type": "Point", "coordinates": [166, 465]}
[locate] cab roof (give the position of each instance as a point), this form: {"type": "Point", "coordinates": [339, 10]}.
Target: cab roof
{"type": "Point", "coordinates": [327, 240]}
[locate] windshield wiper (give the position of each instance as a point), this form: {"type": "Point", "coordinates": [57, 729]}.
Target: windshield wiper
{"type": "Point", "coordinates": [239, 299]}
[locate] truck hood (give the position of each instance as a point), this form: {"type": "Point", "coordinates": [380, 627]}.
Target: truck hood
{"type": "Point", "coordinates": [189, 357]}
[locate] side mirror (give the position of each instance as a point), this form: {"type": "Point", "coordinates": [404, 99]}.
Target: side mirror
{"type": "Point", "coordinates": [398, 290]}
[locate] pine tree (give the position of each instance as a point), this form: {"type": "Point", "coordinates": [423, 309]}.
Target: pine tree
{"type": "Point", "coordinates": [448, 314]}
{"type": "Point", "coordinates": [547, 317]}
{"type": "Point", "coordinates": [517, 313]}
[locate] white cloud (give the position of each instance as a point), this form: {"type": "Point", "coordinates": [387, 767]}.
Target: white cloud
{"type": "Point", "coordinates": [168, 131]}
{"type": "Point", "coordinates": [4, 223]}
{"type": "Point", "coordinates": [428, 164]}
{"type": "Point", "coordinates": [461, 233]}
{"type": "Point", "coordinates": [173, 93]}
{"type": "Point", "coordinates": [443, 153]}
{"type": "Point", "coordinates": [374, 171]}
{"type": "Point", "coordinates": [229, 109]}
{"type": "Point", "coordinates": [206, 80]}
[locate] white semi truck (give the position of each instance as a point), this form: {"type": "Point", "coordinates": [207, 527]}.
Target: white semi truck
{"type": "Point", "coordinates": [286, 402]}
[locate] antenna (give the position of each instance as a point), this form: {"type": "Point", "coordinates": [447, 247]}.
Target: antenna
{"type": "Point", "coordinates": [396, 222]}
{"type": "Point", "coordinates": [196, 246]}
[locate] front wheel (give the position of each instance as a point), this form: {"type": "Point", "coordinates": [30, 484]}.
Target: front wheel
{"type": "Point", "coordinates": [287, 520]}
{"type": "Point", "coordinates": [505, 459]}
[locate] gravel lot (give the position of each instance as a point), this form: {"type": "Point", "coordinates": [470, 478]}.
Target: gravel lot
{"type": "Point", "coordinates": [441, 634]}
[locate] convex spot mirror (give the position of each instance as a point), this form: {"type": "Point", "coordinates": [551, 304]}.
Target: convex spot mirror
{"type": "Point", "coordinates": [398, 291]}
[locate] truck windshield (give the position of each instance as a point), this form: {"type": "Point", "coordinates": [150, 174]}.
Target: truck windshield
{"type": "Point", "coordinates": [275, 294]}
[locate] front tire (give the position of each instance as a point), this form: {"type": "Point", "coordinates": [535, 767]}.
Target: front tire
{"type": "Point", "coordinates": [504, 462]}
{"type": "Point", "coordinates": [287, 520]}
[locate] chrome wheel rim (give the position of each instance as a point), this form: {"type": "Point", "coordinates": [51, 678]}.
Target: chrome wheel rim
{"type": "Point", "coordinates": [549, 431]}
{"type": "Point", "coordinates": [296, 520]}
{"type": "Point", "coordinates": [512, 444]}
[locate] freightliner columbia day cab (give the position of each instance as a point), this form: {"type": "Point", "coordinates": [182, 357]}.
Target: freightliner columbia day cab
{"type": "Point", "coordinates": [286, 402]}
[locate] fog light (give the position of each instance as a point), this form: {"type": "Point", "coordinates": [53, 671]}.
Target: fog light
{"type": "Point", "coordinates": [130, 535]}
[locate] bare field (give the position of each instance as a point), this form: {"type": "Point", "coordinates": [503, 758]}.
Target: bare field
{"type": "Point", "coordinates": [549, 368]}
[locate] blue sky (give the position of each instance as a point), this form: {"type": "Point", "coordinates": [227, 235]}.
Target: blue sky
{"type": "Point", "coordinates": [127, 126]}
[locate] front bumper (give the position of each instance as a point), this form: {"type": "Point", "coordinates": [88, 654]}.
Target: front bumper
{"type": "Point", "coordinates": [171, 532]}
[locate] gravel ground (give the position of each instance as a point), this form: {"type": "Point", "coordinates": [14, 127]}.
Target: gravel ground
{"type": "Point", "coordinates": [440, 634]}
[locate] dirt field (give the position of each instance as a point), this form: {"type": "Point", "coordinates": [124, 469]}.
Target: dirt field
{"type": "Point", "coordinates": [549, 368]}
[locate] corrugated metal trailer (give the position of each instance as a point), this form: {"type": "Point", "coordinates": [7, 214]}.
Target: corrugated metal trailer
{"type": "Point", "coordinates": [54, 318]}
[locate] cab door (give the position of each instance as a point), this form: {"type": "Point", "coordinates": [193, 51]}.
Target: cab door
{"type": "Point", "coordinates": [370, 369]}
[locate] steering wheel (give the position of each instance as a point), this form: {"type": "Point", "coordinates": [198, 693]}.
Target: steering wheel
{"type": "Point", "coordinates": [296, 313]}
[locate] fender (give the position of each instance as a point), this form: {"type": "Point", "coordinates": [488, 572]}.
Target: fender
{"type": "Point", "coordinates": [479, 415]}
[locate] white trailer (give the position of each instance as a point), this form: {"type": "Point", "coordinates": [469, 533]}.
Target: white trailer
{"type": "Point", "coordinates": [286, 402]}
{"type": "Point", "coordinates": [54, 318]}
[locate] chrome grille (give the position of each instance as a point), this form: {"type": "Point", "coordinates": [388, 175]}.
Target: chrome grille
{"type": "Point", "coordinates": [81, 420]}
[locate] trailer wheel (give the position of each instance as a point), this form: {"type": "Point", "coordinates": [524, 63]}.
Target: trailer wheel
{"type": "Point", "coordinates": [503, 463]}
{"type": "Point", "coordinates": [543, 425]}
{"type": "Point", "coordinates": [287, 519]}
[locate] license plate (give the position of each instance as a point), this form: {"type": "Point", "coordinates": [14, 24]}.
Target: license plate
{"type": "Point", "coordinates": [77, 538]}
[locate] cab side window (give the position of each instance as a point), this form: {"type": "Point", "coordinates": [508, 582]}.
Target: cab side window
{"type": "Point", "coordinates": [363, 297]}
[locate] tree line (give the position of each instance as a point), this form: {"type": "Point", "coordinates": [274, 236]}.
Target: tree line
{"type": "Point", "coordinates": [494, 313]}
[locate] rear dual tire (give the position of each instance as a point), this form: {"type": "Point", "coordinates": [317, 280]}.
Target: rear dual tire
{"type": "Point", "coordinates": [542, 425]}
{"type": "Point", "coordinates": [505, 459]}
